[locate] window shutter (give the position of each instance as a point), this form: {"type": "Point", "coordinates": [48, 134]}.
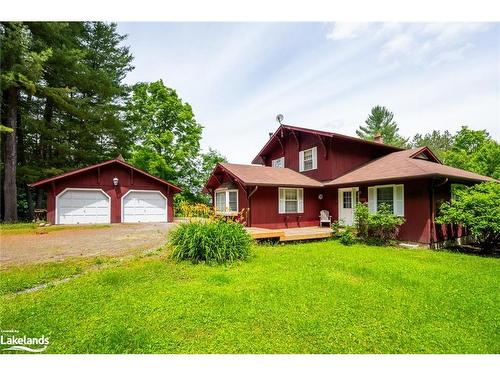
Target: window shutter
{"type": "Point", "coordinates": [300, 200]}
{"type": "Point", "coordinates": [281, 206]}
{"type": "Point", "coordinates": [399, 201]}
{"type": "Point", "coordinates": [372, 199]}
{"type": "Point", "coordinates": [315, 157]}
{"type": "Point", "coordinates": [301, 161]}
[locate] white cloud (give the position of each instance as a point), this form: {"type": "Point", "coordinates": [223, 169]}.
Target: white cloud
{"type": "Point", "coordinates": [451, 55]}
{"type": "Point", "coordinates": [398, 45]}
{"type": "Point", "coordinates": [347, 30]}
{"type": "Point", "coordinates": [423, 44]}
{"type": "Point", "coordinates": [435, 77]}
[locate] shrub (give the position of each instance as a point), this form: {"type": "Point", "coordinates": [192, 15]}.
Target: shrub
{"type": "Point", "coordinates": [361, 216]}
{"type": "Point", "coordinates": [187, 209]}
{"type": "Point", "coordinates": [212, 241]}
{"type": "Point", "coordinates": [382, 226]}
{"type": "Point", "coordinates": [347, 236]}
{"type": "Point", "coordinates": [478, 209]}
{"type": "Point", "coordinates": [337, 227]}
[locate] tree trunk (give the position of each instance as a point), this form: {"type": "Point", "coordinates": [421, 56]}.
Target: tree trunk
{"type": "Point", "coordinates": [9, 184]}
{"type": "Point", "coordinates": [31, 206]}
{"type": "Point", "coordinates": [48, 112]}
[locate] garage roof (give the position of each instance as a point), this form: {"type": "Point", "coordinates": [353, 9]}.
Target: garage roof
{"type": "Point", "coordinates": [118, 161]}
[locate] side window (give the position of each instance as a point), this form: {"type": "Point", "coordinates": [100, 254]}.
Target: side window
{"type": "Point", "coordinates": [279, 163]}
{"type": "Point", "coordinates": [391, 195]}
{"type": "Point", "coordinates": [308, 159]}
{"type": "Point", "coordinates": [291, 200]}
{"type": "Point", "coordinates": [226, 202]}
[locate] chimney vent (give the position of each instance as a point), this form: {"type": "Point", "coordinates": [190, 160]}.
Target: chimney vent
{"type": "Point", "coordinates": [378, 138]}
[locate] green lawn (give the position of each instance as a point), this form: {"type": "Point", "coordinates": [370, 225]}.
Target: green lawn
{"type": "Point", "coordinates": [33, 228]}
{"type": "Point", "coordinates": [318, 297]}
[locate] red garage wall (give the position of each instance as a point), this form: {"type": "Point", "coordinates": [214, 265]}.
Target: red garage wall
{"type": "Point", "coordinates": [103, 179]}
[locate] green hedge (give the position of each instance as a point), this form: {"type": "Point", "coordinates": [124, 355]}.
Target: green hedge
{"type": "Point", "coordinates": [213, 241]}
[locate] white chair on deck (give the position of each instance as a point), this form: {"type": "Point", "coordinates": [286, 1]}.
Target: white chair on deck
{"type": "Point", "coordinates": [325, 217]}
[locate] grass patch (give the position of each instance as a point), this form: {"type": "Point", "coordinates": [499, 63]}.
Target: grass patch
{"type": "Point", "coordinates": [33, 228]}
{"type": "Point", "coordinates": [18, 278]}
{"type": "Point", "coordinates": [318, 297]}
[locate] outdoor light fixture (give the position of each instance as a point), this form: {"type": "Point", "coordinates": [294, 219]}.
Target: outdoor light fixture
{"type": "Point", "coordinates": [115, 181]}
{"type": "Point", "coordinates": [320, 196]}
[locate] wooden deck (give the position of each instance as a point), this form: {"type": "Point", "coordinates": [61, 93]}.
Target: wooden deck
{"type": "Point", "coordinates": [290, 234]}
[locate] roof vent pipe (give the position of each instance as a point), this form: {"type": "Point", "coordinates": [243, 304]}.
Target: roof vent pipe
{"type": "Point", "coordinates": [271, 135]}
{"type": "Point", "coordinates": [378, 138]}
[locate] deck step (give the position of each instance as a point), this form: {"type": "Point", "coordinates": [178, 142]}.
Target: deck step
{"type": "Point", "coordinates": [290, 234]}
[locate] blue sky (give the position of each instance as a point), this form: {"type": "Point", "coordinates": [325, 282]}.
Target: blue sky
{"type": "Point", "coordinates": [238, 76]}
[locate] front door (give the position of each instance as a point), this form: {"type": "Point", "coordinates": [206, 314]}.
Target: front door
{"type": "Point", "coordinates": [348, 198]}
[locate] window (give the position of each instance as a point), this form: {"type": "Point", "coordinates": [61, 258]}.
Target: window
{"type": "Point", "coordinates": [308, 159]}
{"type": "Point", "coordinates": [347, 199]}
{"type": "Point", "coordinates": [226, 201]}
{"type": "Point", "coordinates": [279, 163]}
{"type": "Point", "coordinates": [392, 195]}
{"type": "Point", "coordinates": [291, 200]}
{"type": "Point", "coordinates": [385, 195]}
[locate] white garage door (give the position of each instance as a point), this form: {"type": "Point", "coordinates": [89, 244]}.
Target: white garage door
{"type": "Point", "coordinates": [144, 207]}
{"type": "Point", "coordinates": [82, 207]}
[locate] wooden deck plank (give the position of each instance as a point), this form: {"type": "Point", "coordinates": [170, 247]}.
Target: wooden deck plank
{"type": "Point", "coordinates": [290, 234]}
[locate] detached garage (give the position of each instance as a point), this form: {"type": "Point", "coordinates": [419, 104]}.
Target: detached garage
{"type": "Point", "coordinates": [109, 192]}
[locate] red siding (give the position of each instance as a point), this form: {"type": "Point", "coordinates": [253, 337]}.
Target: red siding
{"type": "Point", "coordinates": [442, 232]}
{"type": "Point", "coordinates": [342, 155]}
{"type": "Point", "coordinates": [264, 209]}
{"type": "Point", "coordinates": [416, 206]}
{"type": "Point", "coordinates": [104, 180]}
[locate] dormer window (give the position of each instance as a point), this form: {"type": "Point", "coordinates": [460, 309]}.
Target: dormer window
{"type": "Point", "coordinates": [308, 159]}
{"type": "Point", "coordinates": [279, 163]}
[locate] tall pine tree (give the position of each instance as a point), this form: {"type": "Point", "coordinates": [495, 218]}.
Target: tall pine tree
{"type": "Point", "coordinates": [381, 122]}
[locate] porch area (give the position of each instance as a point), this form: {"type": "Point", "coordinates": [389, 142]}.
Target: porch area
{"type": "Point", "coordinates": [290, 234]}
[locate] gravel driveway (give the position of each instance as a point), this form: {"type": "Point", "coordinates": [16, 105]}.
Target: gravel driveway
{"type": "Point", "coordinates": [116, 240]}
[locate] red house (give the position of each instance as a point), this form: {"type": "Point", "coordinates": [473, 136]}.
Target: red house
{"type": "Point", "coordinates": [300, 172]}
{"type": "Point", "coordinates": [109, 192]}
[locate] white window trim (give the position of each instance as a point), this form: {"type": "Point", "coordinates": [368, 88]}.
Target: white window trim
{"type": "Point", "coordinates": [314, 151]}
{"type": "Point", "coordinates": [374, 201]}
{"type": "Point", "coordinates": [300, 201]}
{"type": "Point", "coordinates": [227, 191]}
{"type": "Point", "coordinates": [282, 159]}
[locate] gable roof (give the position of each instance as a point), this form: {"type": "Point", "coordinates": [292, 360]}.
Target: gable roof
{"type": "Point", "coordinates": [322, 133]}
{"type": "Point", "coordinates": [118, 161]}
{"type": "Point", "coordinates": [257, 175]}
{"type": "Point", "coordinates": [402, 165]}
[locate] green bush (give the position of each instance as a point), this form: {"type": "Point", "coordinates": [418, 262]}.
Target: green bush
{"type": "Point", "coordinates": [337, 227]}
{"type": "Point", "coordinates": [380, 227]}
{"type": "Point", "coordinates": [383, 226]}
{"type": "Point", "coordinates": [361, 216]}
{"type": "Point", "coordinates": [477, 208]}
{"type": "Point", "coordinates": [347, 236]}
{"type": "Point", "coordinates": [213, 241]}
